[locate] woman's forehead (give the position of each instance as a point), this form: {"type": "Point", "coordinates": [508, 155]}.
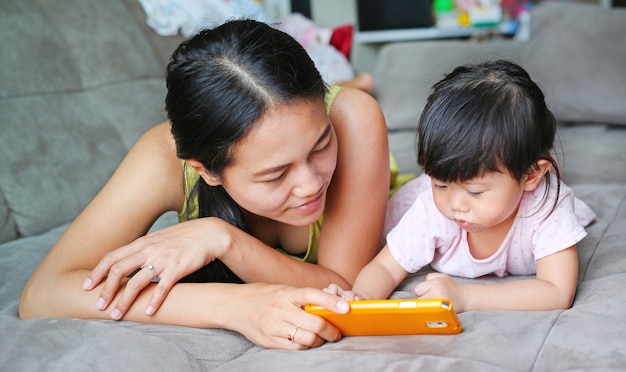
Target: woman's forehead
{"type": "Point", "coordinates": [283, 130]}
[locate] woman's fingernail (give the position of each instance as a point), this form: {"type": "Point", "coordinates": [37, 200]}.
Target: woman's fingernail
{"type": "Point", "coordinates": [150, 310]}
{"type": "Point", "coordinates": [87, 283]}
{"type": "Point", "coordinates": [116, 314]}
{"type": "Point", "coordinates": [100, 304]}
{"type": "Point", "coordinates": [343, 306]}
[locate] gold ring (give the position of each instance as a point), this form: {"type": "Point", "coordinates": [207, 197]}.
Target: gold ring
{"type": "Point", "coordinates": [292, 336]}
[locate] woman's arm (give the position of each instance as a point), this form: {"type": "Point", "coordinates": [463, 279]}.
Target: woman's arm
{"type": "Point", "coordinates": [263, 313]}
{"type": "Point", "coordinates": [553, 288]}
{"type": "Point", "coordinates": [148, 183]}
{"type": "Point", "coordinates": [357, 198]}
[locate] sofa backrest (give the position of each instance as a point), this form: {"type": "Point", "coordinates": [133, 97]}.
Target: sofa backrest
{"type": "Point", "coordinates": [80, 81]}
{"type": "Point", "coordinates": [576, 53]}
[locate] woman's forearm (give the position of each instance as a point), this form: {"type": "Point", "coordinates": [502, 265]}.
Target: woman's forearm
{"type": "Point", "coordinates": [263, 313]}
{"type": "Point", "coordinates": [254, 261]}
{"type": "Point", "coordinates": [205, 307]}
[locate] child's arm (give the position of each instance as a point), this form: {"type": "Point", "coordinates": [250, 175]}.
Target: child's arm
{"type": "Point", "coordinates": [379, 278]}
{"type": "Point", "coordinates": [553, 288]}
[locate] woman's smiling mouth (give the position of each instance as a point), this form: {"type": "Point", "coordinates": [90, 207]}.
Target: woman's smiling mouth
{"type": "Point", "coordinates": [311, 206]}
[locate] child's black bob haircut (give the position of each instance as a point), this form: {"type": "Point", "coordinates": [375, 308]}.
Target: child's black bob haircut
{"type": "Point", "coordinates": [484, 117]}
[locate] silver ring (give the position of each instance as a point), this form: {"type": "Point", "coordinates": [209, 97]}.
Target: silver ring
{"type": "Point", "coordinates": [155, 276]}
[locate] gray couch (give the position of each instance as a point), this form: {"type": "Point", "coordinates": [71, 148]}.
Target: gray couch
{"type": "Point", "coordinates": [81, 80]}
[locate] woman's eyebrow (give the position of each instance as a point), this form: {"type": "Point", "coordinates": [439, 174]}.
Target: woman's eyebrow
{"type": "Point", "coordinates": [324, 135]}
{"type": "Point", "coordinates": [267, 171]}
{"type": "Point", "coordinates": [278, 168]}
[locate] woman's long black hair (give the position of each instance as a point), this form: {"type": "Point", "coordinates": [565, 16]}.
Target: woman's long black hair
{"type": "Point", "coordinates": [219, 84]}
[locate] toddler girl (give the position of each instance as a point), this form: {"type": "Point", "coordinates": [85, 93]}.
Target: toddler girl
{"type": "Point", "coordinates": [490, 201]}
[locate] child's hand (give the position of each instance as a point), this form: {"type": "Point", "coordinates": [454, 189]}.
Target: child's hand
{"type": "Point", "coordinates": [438, 285]}
{"type": "Point", "coordinates": [346, 295]}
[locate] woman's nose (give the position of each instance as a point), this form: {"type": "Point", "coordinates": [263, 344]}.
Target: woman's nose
{"type": "Point", "coordinates": [308, 182]}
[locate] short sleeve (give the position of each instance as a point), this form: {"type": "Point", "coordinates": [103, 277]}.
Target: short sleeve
{"type": "Point", "coordinates": [410, 241]}
{"type": "Point", "coordinates": [558, 228]}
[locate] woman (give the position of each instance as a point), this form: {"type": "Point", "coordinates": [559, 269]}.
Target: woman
{"type": "Point", "coordinates": [268, 153]}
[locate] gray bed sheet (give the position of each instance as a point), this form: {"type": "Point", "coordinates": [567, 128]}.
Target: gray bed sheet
{"type": "Point", "coordinates": [589, 336]}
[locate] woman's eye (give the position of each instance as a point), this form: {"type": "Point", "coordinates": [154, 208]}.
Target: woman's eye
{"type": "Point", "coordinates": [275, 179]}
{"type": "Point", "coordinates": [322, 149]}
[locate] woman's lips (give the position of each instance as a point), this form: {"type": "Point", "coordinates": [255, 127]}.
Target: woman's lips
{"type": "Point", "coordinates": [311, 206]}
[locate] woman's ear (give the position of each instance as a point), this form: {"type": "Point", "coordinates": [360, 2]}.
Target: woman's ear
{"type": "Point", "coordinates": [535, 174]}
{"type": "Point", "coordinates": [208, 177]}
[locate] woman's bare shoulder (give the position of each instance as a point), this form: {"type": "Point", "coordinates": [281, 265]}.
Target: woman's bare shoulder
{"type": "Point", "coordinates": [357, 116]}
{"type": "Point", "coordinates": [157, 146]}
{"type": "Point", "coordinates": [153, 167]}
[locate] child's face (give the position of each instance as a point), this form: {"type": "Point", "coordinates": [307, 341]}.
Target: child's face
{"type": "Point", "coordinates": [284, 165]}
{"type": "Point", "coordinates": [481, 203]}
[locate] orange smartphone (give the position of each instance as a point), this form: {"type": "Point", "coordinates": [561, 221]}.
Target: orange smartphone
{"type": "Point", "coordinates": [394, 317]}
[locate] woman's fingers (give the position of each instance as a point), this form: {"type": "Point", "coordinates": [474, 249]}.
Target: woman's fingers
{"type": "Point", "coordinates": [104, 267]}
{"type": "Point", "coordinates": [117, 274]}
{"type": "Point", "coordinates": [305, 296]}
{"type": "Point", "coordinates": [301, 339]}
{"type": "Point", "coordinates": [134, 285]}
{"type": "Point", "coordinates": [275, 318]}
{"type": "Point", "coordinates": [314, 324]}
{"type": "Point", "coordinates": [148, 274]}
{"type": "Point", "coordinates": [158, 296]}
{"type": "Point", "coordinates": [118, 263]}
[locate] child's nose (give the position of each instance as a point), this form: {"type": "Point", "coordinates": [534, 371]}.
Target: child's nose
{"type": "Point", "coordinates": [457, 202]}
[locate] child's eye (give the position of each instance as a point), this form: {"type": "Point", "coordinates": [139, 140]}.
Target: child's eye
{"type": "Point", "coordinates": [475, 193]}
{"type": "Point", "coordinates": [440, 187]}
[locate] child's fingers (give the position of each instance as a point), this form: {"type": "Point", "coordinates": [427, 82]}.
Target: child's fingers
{"type": "Point", "coordinates": [334, 289]}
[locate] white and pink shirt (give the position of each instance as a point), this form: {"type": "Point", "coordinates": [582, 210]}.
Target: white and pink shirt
{"type": "Point", "coordinates": [424, 236]}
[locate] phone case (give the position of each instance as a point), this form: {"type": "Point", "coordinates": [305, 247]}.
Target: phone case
{"type": "Point", "coordinates": [393, 317]}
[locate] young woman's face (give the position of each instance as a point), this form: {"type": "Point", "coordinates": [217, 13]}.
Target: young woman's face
{"type": "Point", "coordinates": [481, 203]}
{"type": "Point", "coordinates": [282, 168]}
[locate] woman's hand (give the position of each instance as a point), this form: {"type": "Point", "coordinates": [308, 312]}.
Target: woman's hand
{"type": "Point", "coordinates": [273, 317]}
{"type": "Point", "coordinates": [165, 256]}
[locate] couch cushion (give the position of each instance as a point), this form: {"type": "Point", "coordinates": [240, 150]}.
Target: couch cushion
{"type": "Point", "coordinates": [406, 72]}
{"type": "Point", "coordinates": [578, 56]}
{"type": "Point", "coordinates": [72, 144]}
{"type": "Point", "coordinates": [34, 54]}
{"type": "Point", "coordinates": [80, 82]}
{"type": "Point", "coordinates": [61, 46]}
{"type": "Point", "coordinates": [8, 230]}
{"type": "Point", "coordinates": [58, 151]}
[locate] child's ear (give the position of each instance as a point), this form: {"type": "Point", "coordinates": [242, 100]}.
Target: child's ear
{"type": "Point", "coordinates": [535, 174]}
{"type": "Point", "coordinates": [208, 177]}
